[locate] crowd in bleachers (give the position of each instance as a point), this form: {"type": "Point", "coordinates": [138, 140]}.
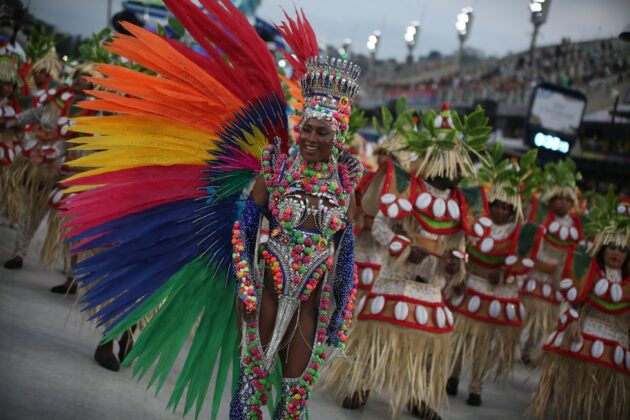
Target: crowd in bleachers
{"type": "Point", "coordinates": [586, 66]}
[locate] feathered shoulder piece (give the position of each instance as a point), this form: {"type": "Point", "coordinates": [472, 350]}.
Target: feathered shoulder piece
{"type": "Point", "coordinates": [299, 35]}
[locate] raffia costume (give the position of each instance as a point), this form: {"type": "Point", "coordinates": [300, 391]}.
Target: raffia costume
{"type": "Point", "coordinates": [589, 378]}
{"type": "Point", "coordinates": [9, 139]}
{"type": "Point", "coordinates": [401, 342]}
{"type": "Point", "coordinates": [488, 319]}
{"type": "Point", "coordinates": [36, 181]}
{"type": "Point", "coordinates": [369, 253]}
{"type": "Point", "coordinates": [555, 239]}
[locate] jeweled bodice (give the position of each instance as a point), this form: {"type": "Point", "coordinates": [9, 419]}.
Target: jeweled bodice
{"type": "Point", "coordinates": [299, 207]}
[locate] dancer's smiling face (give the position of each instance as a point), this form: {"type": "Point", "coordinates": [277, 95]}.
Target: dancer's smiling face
{"type": "Point", "coordinates": [316, 140]}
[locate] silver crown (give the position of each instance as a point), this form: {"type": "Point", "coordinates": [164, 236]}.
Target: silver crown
{"type": "Point", "coordinates": [333, 77]}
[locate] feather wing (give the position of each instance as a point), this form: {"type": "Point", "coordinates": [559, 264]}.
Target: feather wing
{"type": "Point", "coordinates": [166, 178]}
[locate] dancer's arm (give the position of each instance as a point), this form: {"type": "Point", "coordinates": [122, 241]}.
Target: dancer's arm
{"type": "Point", "coordinates": [244, 241]}
{"type": "Point", "coordinates": [344, 288]}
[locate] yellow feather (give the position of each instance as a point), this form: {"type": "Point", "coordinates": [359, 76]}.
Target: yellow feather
{"type": "Point", "coordinates": [137, 124]}
{"type": "Point", "coordinates": [80, 188]}
{"type": "Point", "coordinates": [254, 142]}
{"type": "Point", "coordinates": [141, 156]}
{"type": "Point", "coordinates": [131, 141]}
{"type": "Point", "coordinates": [98, 171]}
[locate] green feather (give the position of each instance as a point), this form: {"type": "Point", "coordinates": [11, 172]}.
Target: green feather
{"type": "Point", "coordinates": [187, 295]}
{"type": "Point", "coordinates": [231, 182]}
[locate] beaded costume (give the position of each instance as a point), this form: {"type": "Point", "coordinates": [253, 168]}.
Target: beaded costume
{"type": "Point", "coordinates": [170, 174]}
{"type": "Point", "coordinates": [587, 375]}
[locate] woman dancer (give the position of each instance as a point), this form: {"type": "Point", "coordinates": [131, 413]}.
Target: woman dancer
{"type": "Point", "coordinates": [172, 173]}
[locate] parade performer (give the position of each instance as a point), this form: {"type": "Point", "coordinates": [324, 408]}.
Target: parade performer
{"type": "Point", "coordinates": [169, 176]}
{"type": "Point", "coordinates": [560, 231]}
{"type": "Point", "coordinates": [45, 67]}
{"type": "Point", "coordinates": [41, 165]}
{"type": "Point", "coordinates": [10, 83]}
{"type": "Point", "coordinates": [54, 247]}
{"type": "Point", "coordinates": [489, 317]}
{"type": "Point", "coordinates": [586, 362]}
{"type": "Point", "coordinates": [390, 156]}
{"type": "Point", "coordinates": [369, 254]}
{"type": "Point", "coordinates": [402, 339]}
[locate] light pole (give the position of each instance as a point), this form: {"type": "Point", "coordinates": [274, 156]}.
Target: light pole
{"type": "Point", "coordinates": [411, 38]}
{"type": "Point", "coordinates": [539, 10]}
{"type": "Point", "coordinates": [463, 24]}
{"type": "Point", "coordinates": [344, 50]}
{"type": "Point", "coordinates": [372, 44]}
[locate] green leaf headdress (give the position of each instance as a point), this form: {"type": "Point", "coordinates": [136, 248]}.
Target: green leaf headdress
{"type": "Point", "coordinates": [511, 180]}
{"type": "Point", "coordinates": [444, 143]}
{"type": "Point", "coordinates": [41, 51]}
{"type": "Point", "coordinates": [9, 70]}
{"type": "Point", "coordinates": [396, 133]}
{"type": "Point", "coordinates": [358, 120]}
{"type": "Point", "coordinates": [608, 221]}
{"type": "Point", "coordinates": [560, 180]}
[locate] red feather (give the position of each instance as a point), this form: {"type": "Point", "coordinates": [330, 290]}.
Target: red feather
{"type": "Point", "coordinates": [120, 196]}
{"type": "Point", "coordinates": [301, 38]}
{"type": "Point", "coordinates": [247, 67]}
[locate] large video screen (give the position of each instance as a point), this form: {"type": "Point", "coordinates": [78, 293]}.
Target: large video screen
{"type": "Point", "coordinates": [556, 111]}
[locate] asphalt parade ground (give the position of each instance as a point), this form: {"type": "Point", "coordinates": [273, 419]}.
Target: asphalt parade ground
{"type": "Point", "coordinates": [48, 371]}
